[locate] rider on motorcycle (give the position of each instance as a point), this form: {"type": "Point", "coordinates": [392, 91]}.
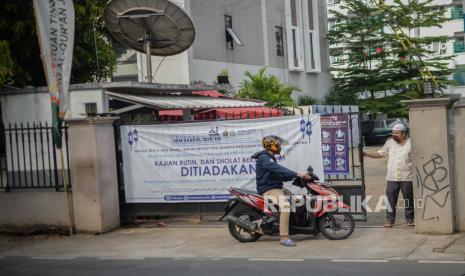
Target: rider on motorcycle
{"type": "Point", "coordinates": [270, 177]}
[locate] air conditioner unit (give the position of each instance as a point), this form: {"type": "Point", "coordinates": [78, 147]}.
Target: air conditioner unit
{"type": "Point", "coordinates": [444, 46]}
{"type": "Point", "coordinates": [429, 47]}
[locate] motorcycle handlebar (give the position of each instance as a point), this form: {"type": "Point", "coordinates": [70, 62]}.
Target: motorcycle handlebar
{"type": "Point", "coordinates": [303, 182]}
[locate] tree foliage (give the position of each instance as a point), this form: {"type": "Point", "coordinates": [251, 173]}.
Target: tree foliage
{"type": "Point", "coordinates": [374, 60]}
{"type": "Point", "coordinates": [307, 100]}
{"type": "Point", "coordinates": [267, 88]}
{"type": "Point", "coordinates": [20, 47]}
{"type": "Point", "coordinates": [6, 63]}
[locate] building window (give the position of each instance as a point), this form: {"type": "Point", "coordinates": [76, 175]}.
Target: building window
{"type": "Point", "coordinates": [459, 46]}
{"type": "Point", "coordinates": [459, 74]}
{"type": "Point", "coordinates": [456, 13]}
{"type": "Point", "coordinates": [228, 24]}
{"type": "Point", "coordinates": [443, 50]}
{"type": "Point", "coordinates": [91, 108]}
{"type": "Point", "coordinates": [331, 24]}
{"type": "Point", "coordinates": [294, 13]}
{"type": "Point", "coordinates": [294, 48]}
{"type": "Point", "coordinates": [311, 32]}
{"type": "Point", "coordinates": [295, 28]}
{"type": "Point", "coordinates": [336, 56]}
{"type": "Point", "coordinates": [231, 36]}
{"type": "Point", "coordinates": [311, 27]}
{"type": "Point", "coordinates": [294, 31]}
{"type": "Point", "coordinates": [279, 41]}
{"type": "Point", "coordinates": [436, 47]}
{"type": "Point", "coordinates": [439, 10]}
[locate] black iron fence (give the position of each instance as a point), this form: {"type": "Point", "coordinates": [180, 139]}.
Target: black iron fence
{"type": "Point", "coordinates": [29, 159]}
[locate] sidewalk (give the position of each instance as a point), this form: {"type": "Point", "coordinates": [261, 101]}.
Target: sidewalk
{"type": "Point", "coordinates": [399, 243]}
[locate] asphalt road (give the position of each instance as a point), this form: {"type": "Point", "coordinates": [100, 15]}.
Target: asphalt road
{"type": "Point", "coordinates": [224, 267]}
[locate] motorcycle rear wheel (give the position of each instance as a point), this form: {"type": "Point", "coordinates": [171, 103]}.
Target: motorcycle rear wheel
{"type": "Point", "coordinates": [336, 226]}
{"type": "Point", "coordinates": [240, 233]}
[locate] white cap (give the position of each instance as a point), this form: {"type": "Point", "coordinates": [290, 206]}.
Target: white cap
{"type": "Point", "coordinates": [399, 127]}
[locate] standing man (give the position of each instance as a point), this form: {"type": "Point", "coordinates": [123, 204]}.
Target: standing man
{"type": "Point", "coordinates": [399, 173]}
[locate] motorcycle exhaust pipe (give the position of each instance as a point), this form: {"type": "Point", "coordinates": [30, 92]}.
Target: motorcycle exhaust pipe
{"type": "Point", "coordinates": [247, 225]}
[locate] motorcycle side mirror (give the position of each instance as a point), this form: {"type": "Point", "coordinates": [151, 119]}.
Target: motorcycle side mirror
{"type": "Point", "coordinates": [310, 169]}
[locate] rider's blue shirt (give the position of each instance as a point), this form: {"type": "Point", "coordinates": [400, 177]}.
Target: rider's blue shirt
{"type": "Point", "coordinates": [270, 175]}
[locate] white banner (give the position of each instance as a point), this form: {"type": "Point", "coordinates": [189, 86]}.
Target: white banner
{"type": "Point", "coordinates": [55, 27]}
{"type": "Point", "coordinates": [198, 162]}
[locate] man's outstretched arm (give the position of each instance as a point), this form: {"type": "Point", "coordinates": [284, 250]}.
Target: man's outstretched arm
{"type": "Point", "coordinates": [373, 155]}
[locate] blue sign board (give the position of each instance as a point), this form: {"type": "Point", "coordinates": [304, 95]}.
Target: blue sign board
{"type": "Point", "coordinates": [335, 143]}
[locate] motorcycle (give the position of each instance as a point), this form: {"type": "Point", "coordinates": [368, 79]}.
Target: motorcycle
{"type": "Point", "coordinates": [322, 211]}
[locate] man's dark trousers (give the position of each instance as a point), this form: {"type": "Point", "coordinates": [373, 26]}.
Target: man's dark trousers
{"type": "Point", "coordinates": [392, 192]}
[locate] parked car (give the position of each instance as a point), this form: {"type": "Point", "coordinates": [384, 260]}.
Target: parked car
{"type": "Point", "coordinates": [376, 132]}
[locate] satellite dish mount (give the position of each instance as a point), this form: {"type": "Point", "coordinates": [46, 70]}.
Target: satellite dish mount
{"type": "Point", "coordinates": [157, 27]}
{"type": "Point", "coordinates": [141, 19]}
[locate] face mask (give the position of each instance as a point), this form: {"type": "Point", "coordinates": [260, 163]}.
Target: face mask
{"type": "Point", "coordinates": [396, 138]}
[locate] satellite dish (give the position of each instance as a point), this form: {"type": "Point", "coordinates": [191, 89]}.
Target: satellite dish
{"type": "Point", "coordinates": [157, 27]}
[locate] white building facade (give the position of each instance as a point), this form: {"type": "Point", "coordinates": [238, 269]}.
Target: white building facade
{"type": "Point", "coordinates": [288, 37]}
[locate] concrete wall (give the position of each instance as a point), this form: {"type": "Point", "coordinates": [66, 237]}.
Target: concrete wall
{"type": "Point", "coordinates": [31, 209]}
{"type": "Point", "coordinates": [210, 41]}
{"type": "Point", "coordinates": [312, 84]}
{"type": "Point", "coordinates": [33, 105]}
{"type": "Point", "coordinates": [437, 128]}
{"type": "Point", "coordinates": [26, 107]}
{"type": "Point", "coordinates": [79, 98]}
{"type": "Point", "coordinates": [458, 121]}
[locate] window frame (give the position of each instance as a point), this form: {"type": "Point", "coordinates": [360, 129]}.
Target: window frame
{"type": "Point", "coordinates": [294, 37]}
{"type": "Point", "coordinates": [279, 36]}
{"type": "Point", "coordinates": [312, 47]}
{"type": "Point", "coordinates": [229, 39]}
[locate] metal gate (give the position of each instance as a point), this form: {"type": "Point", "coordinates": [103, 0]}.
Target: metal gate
{"type": "Point", "coordinates": [352, 185]}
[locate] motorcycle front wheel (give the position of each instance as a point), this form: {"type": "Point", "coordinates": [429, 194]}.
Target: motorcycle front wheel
{"type": "Point", "coordinates": [240, 233]}
{"type": "Point", "coordinates": [336, 226]}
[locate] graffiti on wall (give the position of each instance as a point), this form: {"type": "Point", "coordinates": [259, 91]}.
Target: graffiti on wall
{"type": "Point", "coordinates": [434, 187]}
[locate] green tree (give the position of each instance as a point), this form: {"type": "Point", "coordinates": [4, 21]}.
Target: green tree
{"type": "Point", "coordinates": [374, 60]}
{"type": "Point", "coordinates": [307, 100]}
{"type": "Point", "coordinates": [267, 88]}
{"type": "Point", "coordinates": [6, 64]}
{"type": "Point", "coordinates": [18, 30]}
{"type": "Point", "coordinates": [340, 97]}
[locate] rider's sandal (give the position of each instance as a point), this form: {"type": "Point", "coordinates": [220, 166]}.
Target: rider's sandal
{"type": "Point", "coordinates": [287, 242]}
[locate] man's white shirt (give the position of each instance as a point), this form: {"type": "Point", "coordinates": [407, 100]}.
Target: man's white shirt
{"type": "Point", "coordinates": [399, 160]}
